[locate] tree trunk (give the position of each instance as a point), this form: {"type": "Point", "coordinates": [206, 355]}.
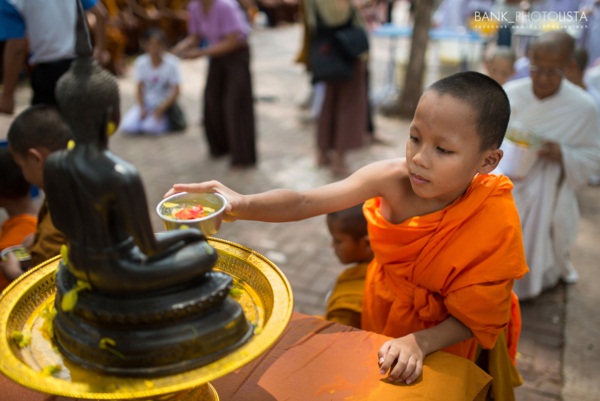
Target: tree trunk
{"type": "Point", "coordinates": [415, 72]}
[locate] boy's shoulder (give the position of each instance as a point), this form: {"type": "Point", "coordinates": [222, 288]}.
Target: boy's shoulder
{"type": "Point", "coordinates": [386, 172]}
{"type": "Point", "coordinates": [388, 179]}
{"type": "Point", "coordinates": [395, 167]}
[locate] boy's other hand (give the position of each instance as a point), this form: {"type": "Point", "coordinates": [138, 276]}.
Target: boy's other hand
{"type": "Point", "coordinates": [234, 199]}
{"type": "Point", "coordinates": [12, 267]}
{"type": "Point", "coordinates": [402, 358]}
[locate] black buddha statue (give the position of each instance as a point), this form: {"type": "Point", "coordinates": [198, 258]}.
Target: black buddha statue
{"type": "Point", "coordinates": [147, 304]}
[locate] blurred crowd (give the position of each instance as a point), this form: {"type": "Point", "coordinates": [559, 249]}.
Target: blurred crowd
{"type": "Point", "coordinates": [126, 21]}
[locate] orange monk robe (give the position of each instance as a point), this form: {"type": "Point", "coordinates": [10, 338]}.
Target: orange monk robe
{"type": "Point", "coordinates": [344, 305]}
{"type": "Point", "coordinates": [146, 13]}
{"type": "Point", "coordinates": [460, 261]}
{"type": "Point", "coordinates": [48, 239]}
{"type": "Point", "coordinates": [130, 26]}
{"type": "Point", "coordinates": [173, 19]}
{"type": "Point", "coordinates": [116, 40]}
{"type": "Point", "coordinates": [13, 232]}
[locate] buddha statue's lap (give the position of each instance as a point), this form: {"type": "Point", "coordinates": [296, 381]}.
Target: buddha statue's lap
{"type": "Point", "coordinates": [183, 263]}
{"type": "Point", "coordinates": [105, 247]}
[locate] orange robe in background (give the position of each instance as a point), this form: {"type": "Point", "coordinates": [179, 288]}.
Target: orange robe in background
{"type": "Point", "coordinates": [48, 239]}
{"type": "Point", "coordinates": [12, 232]}
{"type": "Point", "coordinates": [16, 228]}
{"type": "Point", "coordinates": [116, 41]}
{"type": "Point", "coordinates": [173, 19]}
{"type": "Point", "coordinates": [460, 261]}
{"type": "Point", "coordinates": [344, 305]}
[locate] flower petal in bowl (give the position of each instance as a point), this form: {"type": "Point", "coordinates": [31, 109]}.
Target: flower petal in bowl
{"type": "Point", "coordinates": [170, 211]}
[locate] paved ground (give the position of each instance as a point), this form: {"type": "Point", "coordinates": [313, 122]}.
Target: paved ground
{"type": "Point", "coordinates": [560, 343]}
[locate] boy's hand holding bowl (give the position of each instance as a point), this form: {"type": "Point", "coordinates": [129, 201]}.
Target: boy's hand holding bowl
{"type": "Point", "coordinates": [203, 211]}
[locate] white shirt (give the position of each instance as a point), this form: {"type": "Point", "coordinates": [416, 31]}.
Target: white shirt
{"type": "Point", "coordinates": [592, 77]}
{"type": "Point", "coordinates": [158, 81]}
{"type": "Point", "coordinates": [50, 26]}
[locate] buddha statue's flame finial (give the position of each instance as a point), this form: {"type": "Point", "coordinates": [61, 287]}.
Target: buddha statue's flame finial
{"type": "Point", "coordinates": [87, 95]}
{"type": "Point", "coordinates": [83, 43]}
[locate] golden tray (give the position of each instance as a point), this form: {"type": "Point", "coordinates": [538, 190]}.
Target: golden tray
{"type": "Point", "coordinates": [266, 297]}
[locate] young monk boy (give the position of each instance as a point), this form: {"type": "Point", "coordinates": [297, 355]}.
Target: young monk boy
{"type": "Point", "coordinates": [34, 134]}
{"type": "Point", "coordinates": [350, 242]}
{"type": "Point", "coordinates": [445, 234]}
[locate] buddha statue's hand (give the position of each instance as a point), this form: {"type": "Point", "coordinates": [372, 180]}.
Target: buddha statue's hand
{"type": "Point", "coordinates": [185, 236]}
{"type": "Point", "coordinates": [235, 201]}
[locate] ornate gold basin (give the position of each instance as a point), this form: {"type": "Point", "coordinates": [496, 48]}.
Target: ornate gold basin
{"type": "Point", "coordinates": [263, 291]}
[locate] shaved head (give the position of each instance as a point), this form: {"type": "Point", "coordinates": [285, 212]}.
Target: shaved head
{"type": "Point", "coordinates": [549, 57]}
{"type": "Point", "coordinates": [558, 43]}
{"type": "Point", "coordinates": [485, 97]}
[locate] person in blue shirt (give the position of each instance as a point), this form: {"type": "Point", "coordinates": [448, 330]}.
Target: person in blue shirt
{"type": "Point", "coordinates": [49, 27]}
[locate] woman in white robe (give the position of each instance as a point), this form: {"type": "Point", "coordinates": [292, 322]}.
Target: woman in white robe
{"type": "Point", "coordinates": [566, 120]}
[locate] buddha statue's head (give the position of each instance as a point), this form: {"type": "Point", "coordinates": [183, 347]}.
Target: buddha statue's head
{"type": "Point", "coordinates": [87, 95]}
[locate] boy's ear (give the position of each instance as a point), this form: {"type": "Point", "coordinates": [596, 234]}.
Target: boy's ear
{"type": "Point", "coordinates": [491, 161]}
{"type": "Point", "coordinates": [365, 241]}
{"type": "Point", "coordinates": [38, 156]}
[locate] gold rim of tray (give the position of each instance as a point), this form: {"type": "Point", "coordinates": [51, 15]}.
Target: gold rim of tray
{"type": "Point", "coordinates": [275, 322]}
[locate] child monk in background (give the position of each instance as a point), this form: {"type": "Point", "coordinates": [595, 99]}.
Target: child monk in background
{"type": "Point", "coordinates": [15, 199]}
{"type": "Point", "coordinates": [34, 135]}
{"type": "Point", "coordinates": [445, 233]}
{"type": "Point", "coordinates": [350, 242]}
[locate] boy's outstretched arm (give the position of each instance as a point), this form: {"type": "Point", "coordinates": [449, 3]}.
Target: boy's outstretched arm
{"type": "Point", "coordinates": [239, 205]}
{"type": "Point", "coordinates": [277, 205]}
{"type": "Point", "coordinates": [403, 357]}
{"type": "Point", "coordinates": [281, 205]}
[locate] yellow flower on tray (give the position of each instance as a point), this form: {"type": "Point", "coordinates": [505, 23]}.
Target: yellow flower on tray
{"type": "Point", "coordinates": [108, 344]}
{"type": "Point", "coordinates": [69, 300]}
{"type": "Point", "coordinates": [47, 327]}
{"type": "Point", "coordinates": [51, 370]}
{"type": "Point", "coordinates": [64, 253]}
{"type": "Point", "coordinates": [22, 339]}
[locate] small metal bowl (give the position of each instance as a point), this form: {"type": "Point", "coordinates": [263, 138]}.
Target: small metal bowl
{"type": "Point", "coordinates": [209, 225]}
{"type": "Point", "coordinates": [20, 252]}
